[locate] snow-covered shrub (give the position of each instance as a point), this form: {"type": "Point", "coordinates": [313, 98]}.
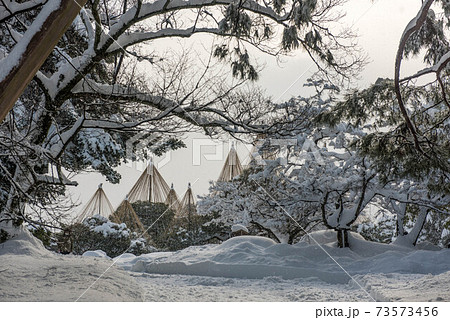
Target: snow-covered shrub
{"type": "Point", "coordinates": [380, 227]}
{"type": "Point", "coordinates": [98, 233]}
{"type": "Point", "coordinates": [140, 246]}
{"type": "Point", "coordinates": [201, 230]}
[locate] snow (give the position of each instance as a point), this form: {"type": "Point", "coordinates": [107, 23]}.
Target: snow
{"type": "Point", "coordinates": [14, 7]}
{"type": "Point", "coordinates": [29, 272]}
{"type": "Point", "coordinates": [238, 227]}
{"type": "Point", "coordinates": [96, 253]}
{"type": "Point", "coordinates": [109, 227]}
{"type": "Point", "coordinates": [245, 268]}
{"type": "Point", "coordinates": [234, 269]}
{"type": "Point", "coordinates": [178, 288]}
{"type": "Point", "coordinates": [14, 57]}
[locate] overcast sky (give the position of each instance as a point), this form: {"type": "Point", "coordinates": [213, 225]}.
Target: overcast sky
{"type": "Point", "coordinates": [379, 24]}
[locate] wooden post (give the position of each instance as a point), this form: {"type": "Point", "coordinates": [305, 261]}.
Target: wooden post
{"type": "Point", "coordinates": [36, 52]}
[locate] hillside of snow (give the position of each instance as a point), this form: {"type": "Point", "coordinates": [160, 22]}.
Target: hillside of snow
{"type": "Point", "coordinates": [29, 272]}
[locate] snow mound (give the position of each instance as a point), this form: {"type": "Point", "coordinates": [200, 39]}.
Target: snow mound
{"type": "Point", "coordinates": [22, 242]}
{"type": "Point", "coordinates": [29, 272]}
{"type": "Point", "coordinates": [96, 253]}
{"type": "Point", "coordinates": [239, 227]}
{"type": "Point", "coordinates": [247, 241]}
{"type": "Point", "coordinates": [249, 257]}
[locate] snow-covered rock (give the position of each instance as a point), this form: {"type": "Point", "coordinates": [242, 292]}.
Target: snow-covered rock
{"type": "Point", "coordinates": [22, 242]}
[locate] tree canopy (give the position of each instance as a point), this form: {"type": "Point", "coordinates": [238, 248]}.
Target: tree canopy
{"type": "Point", "coordinates": [107, 79]}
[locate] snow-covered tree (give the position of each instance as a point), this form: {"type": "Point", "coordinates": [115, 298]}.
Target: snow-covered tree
{"type": "Point", "coordinates": [407, 122]}
{"type": "Point", "coordinates": [98, 233]}
{"type": "Point", "coordinates": [409, 116]}
{"type": "Point", "coordinates": [323, 168]}
{"type": "Point", "coordinates": [101, 85]}
{"type": "Point", "coordinates": [263, 198]}
{"type": "Point", "coordinates": [261, 202]}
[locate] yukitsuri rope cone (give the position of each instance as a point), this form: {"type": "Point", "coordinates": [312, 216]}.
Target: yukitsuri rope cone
{"type": "Point", "coordinates": [232, 166]}
{"type": "Point", "coordinates": [173, 201]}
{"type": "Point", "coordinates": [98, 204]}
{"type": "Point", "coordinates": [150, 186]}
{"type": "Point", "coordinates": [188, 206]}
{"type": "Point", "coordinates": [126, 214]}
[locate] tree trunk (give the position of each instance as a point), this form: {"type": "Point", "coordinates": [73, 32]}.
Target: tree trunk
{"type": "Point", "coordinates": [342, 238]}
{"type": "Point", "coordinates": [410, 239]}
{"type": "Point", "coordinates": [25, 60]}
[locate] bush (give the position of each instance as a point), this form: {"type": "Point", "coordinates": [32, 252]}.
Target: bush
{"type": "Point", "coordinates": [98, 233]}
{"type": "Point", "coordinates": [199, 231]}
{"type": "Point", "coordinates": [381, 229]}
{"type": "Point", "coordinates": [42, 234]}
{"type": "Point", "coordinates": [140, 246]}
{"type": "Point", "coordinates": [168, 232]}
{"type": "Point", "coordinates": [156, 217]}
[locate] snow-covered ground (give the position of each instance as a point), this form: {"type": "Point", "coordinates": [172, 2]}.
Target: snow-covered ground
{"type": "Point", "coordinates": [257, 269]}
{"type": "Point", "coordinates": [241, 269]}
{"type": "Point", "coordinates": [29, 272]}
{"type": "Point", "coordinates": [176, 287]}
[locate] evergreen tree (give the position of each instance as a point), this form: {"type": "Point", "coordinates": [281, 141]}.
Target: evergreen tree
{"type": "Point", "coordinates": [157, 219]}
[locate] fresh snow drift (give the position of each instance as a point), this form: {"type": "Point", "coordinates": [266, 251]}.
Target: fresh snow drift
{"type": "Point", "coordinates": [238, 227]}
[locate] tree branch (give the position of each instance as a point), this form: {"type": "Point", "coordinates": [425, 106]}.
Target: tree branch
{"type": "Point", "coordinates": [413, 26]}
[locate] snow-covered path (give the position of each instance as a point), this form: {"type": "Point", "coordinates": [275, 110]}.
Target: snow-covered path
{"type": "Point", "coordinates": [218, 289]}
{"type": "Point", "coordinates": [382, 287]}
{"type": "Point", "coordinates": [407, 287]}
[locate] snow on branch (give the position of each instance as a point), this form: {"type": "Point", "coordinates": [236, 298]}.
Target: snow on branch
{"type": "Point", "coordinates": [127, 40]}
{"type": "Point", "coordinates": [16, 55]}
{"type": "Point", "coordinates": [62, 180]}
{"type": "Point", "coordinates": [414, 25]}
{"type": "Point", "coordinates": [166, 106]}
{"type": "Point", "coordinates": [65, 138]}
{"type": "Point", "coordinates": [9, 9]}
{"type": "Point", "coordinates": [437, 68]}
{"type": "Point", "coordinates": [148, 10]}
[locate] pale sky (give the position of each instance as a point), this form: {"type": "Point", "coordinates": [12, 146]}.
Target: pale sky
{"type": "Point", "coordinates": [379, 25]}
